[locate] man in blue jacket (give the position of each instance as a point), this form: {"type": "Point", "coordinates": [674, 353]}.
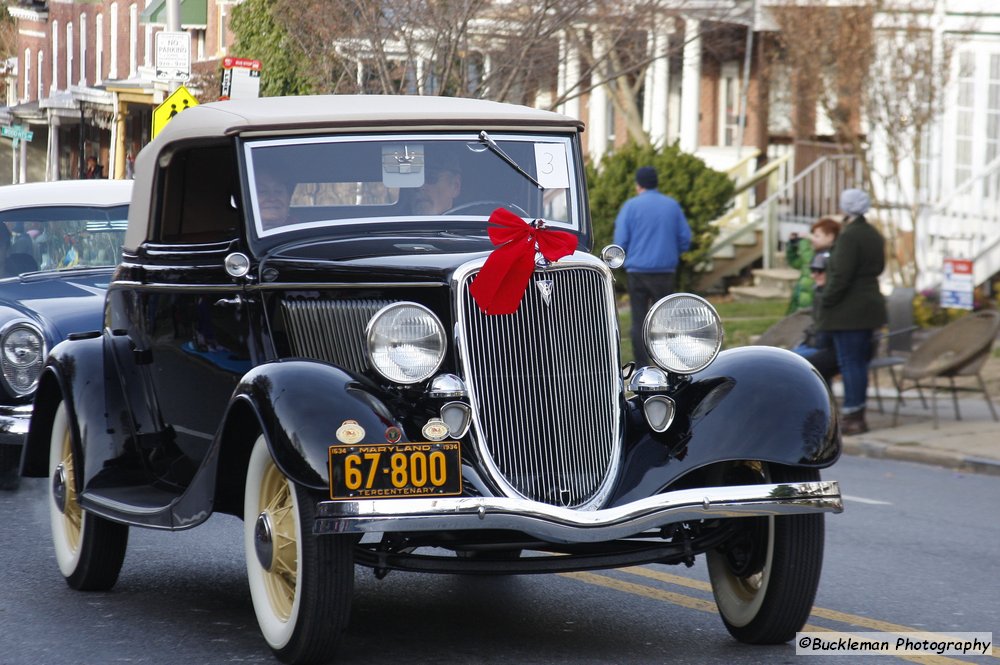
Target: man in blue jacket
{"type": "Point", "coordinates": [654, 232]}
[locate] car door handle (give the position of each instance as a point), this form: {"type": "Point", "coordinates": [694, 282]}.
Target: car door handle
{"type": "Point", "coordinates": [235, 301]}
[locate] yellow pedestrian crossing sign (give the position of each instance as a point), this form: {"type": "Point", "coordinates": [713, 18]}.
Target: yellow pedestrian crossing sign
{"type": "Point", "coordinates": [179, 100]}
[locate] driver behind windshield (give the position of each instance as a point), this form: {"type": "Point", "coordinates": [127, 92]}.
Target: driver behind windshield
{"type": "Point", "coordinates": [274, 197]}
{"type": "Point", "coordinates": [442, 184]}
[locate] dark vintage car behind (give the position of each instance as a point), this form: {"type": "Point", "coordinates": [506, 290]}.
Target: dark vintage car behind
{"type": "Point", "coordinates": [59, 242]}
{"type": "Point", "coordinates": [372, 328]}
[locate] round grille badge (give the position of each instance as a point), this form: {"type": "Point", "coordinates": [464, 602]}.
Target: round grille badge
{"type": "Point", "coordinates": [350, 432]}
{"type": "Point", "coordinates": [393, 434]}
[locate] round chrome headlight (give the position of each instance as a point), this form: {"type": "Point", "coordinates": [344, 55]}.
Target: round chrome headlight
{"type": "Point", "coordinates": [406, 342]}
{"type": "Point", "coordinates": [683, 333]}
{"type": "Point", "coordinates": [22, 354]}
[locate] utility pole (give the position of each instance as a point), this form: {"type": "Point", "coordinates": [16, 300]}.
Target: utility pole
{"type": "Point", "coordinates": [173, 25]}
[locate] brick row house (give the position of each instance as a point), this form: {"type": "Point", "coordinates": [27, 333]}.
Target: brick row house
{"type": "Point", "coordinates": [82, 80]}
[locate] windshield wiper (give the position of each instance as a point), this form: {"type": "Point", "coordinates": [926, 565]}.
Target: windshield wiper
{"type": "Point", "coordinates": [487, 140]}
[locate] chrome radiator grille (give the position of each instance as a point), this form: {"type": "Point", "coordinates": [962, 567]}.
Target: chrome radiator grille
{"type": "Point", "coordinates": [330, 330]}
{"type": "Point", "coordinates": [545, 386]}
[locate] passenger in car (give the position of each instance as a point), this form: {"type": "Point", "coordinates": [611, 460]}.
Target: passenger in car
{"type": "Point", "coordinates": [274, 196]}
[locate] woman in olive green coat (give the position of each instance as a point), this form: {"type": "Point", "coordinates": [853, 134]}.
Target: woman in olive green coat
{"type": "Point", "coordinates": [853, 307]}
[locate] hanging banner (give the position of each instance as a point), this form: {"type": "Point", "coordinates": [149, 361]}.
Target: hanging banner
{"type": "Point", "coordinates": [958, 287]}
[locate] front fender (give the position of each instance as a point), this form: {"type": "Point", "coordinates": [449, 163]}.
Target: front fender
{"type": "Point", "coordinates": [752, 403]}
{"type": "Point", "coordinates": [300, 405]}
{"type": "Point", "coordinates": [74, 372]}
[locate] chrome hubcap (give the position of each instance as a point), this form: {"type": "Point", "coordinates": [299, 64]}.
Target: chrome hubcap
{"type": "Point", "coordinates": [263, 541]}
{"type": "Point", "coordinates": [59, 488]}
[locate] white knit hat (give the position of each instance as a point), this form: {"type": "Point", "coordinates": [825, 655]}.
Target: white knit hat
{"type": "Point", "coordinates": [854, 202]}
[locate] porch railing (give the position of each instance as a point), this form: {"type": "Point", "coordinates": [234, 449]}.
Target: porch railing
{"type": "Point", "coordinates": [809, 195]}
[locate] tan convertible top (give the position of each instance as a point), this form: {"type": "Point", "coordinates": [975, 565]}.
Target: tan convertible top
{"type": "Point", "coordinates": [343, 111]}
{"type": "Point", "coordinates": [312, 114]}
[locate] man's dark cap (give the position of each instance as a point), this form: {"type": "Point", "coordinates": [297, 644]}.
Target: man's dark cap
{"type": "Point", "coordinates": [646, 177]}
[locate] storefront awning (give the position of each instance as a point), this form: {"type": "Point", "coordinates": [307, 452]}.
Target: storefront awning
{"type": "Point", "coordinates": [194, 13]}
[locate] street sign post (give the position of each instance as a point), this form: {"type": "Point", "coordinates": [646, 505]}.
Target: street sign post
{"type": "Point", "coordinates": [179, 100]}
{"type": "Point", "coordinates": [173, 56]}
{"type": "Point", "coordinates": [16, 132]}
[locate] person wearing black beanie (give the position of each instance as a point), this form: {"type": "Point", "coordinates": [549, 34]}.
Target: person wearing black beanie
{"type": "Point", "coordinates": [653, 231]}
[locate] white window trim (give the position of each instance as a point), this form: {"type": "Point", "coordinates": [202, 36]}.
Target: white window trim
{"type": "Point", "coordinates": [728, 71]}
{"type": "Point", "coordinates": [40, 85]}
{"type": "Point", "coordinates": [70, 45]}
{"type": "Point", "coordinates": [99, 46]}
{"type": "Point", "coordinates": [83, 50]}
{"type": "Point", "coordinates": [113, 68]}
{"type": "Point", "coordinates": [27, 74]}
{"type": "Point", "coordinates": [54, 84]}
{"type": "Point", "coordinates": [133, 39]}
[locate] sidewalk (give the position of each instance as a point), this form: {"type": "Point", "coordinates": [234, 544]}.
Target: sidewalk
{"type": "Point", "coordinates": [970, 444]}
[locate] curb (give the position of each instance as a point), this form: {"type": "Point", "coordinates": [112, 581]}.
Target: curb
{"type": "Point", "coordinates": [950, 460]}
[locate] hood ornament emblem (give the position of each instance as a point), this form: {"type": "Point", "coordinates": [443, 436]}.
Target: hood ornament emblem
{"type": "Point", "coordinates": [545, 288]}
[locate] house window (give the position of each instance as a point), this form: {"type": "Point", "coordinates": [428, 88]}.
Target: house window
{"type": "Point", "coordinates": [222, 29]}
{"type": "Point", "coordinates": [965, 118]}
{"type": "Point", "coordinates": [99, 44]}
{"type": "Point", "coordinates": [991, 186]}
{"type": "Point", "coordinates": [83, 50]}
{"type": "Point", "coordinates": [27, 74]}
{"type": "Point", "coordinates": [69, 54]}
{"type": "Point", "coordinates": [113, 68]}
{"type": "Point", "coordinates": [41, 71]}
{"type": "Point", "coordinates": [55, 57]}
{"type": "Point", "coordinates": [729, 103]}
{"type": "Point", "coordinates": [133, 39]}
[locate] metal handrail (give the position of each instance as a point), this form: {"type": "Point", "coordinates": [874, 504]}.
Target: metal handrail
{"type": "Point", "coordinates": [765, 214]}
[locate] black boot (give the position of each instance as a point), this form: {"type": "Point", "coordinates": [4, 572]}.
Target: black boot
{"type": "Point", "coordinates": [853, 423]}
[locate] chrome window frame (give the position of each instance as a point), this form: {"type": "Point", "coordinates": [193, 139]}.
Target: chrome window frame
{"type": "Point", "coordinates": [574, 211]}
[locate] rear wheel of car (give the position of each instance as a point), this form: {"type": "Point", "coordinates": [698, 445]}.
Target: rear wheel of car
{"type": "Point", "coordinates": [90, 550]}
{"type": "Point", "coordinates": [765, 577]}
{"type": "Point", "coordinates": [301, 584]}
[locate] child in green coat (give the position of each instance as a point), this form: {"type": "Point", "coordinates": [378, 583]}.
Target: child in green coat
{"type": "Point", "coordinates": [799, 254]}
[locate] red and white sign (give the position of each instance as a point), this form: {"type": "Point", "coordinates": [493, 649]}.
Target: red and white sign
{"type": "Point", "coordinates": [958, 286]}
{"type": "Point", "coordinates": [240, 78]}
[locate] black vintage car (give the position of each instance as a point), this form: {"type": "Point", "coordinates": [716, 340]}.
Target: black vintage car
{"type": "Point", "coordinates": [360, 324]}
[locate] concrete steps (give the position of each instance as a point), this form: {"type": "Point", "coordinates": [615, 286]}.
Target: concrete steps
{"type": "Point", "coordinates": [768, 284]}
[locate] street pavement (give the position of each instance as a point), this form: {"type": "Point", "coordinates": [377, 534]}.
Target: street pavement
{"type": "Point", "coordinates": [971, 443]}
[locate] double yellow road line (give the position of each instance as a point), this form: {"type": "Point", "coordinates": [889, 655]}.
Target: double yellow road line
{"type": "Point", "coordinates": [702, 605]}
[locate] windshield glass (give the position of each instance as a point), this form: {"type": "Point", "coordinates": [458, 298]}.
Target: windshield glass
{"type": "Point", "coordinates": [306, 183]}
{"type": "Point", "coordinates": [60, 238]}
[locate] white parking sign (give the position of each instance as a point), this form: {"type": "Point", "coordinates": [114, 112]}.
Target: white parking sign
{"type": "Point", "coordinates": [173, 56]}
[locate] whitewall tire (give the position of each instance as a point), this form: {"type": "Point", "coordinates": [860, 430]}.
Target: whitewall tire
{"type": "Point", "coordinates": [301, 584]}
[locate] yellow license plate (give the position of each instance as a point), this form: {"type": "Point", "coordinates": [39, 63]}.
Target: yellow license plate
{"type": "Point", "coordinates": [395, 470]}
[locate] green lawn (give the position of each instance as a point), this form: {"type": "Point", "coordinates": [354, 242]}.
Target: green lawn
{"type": "Point", "coordinates": [740, 320]}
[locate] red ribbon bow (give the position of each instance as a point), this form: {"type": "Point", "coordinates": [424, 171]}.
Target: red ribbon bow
{"type": "Point", "coordinates": [503, 280]}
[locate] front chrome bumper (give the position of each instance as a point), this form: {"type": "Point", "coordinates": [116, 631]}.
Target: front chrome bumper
{"type": "Point", "coordinates": [563, 525]}
{"type": "Point", "coordinates": [14, 421]}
